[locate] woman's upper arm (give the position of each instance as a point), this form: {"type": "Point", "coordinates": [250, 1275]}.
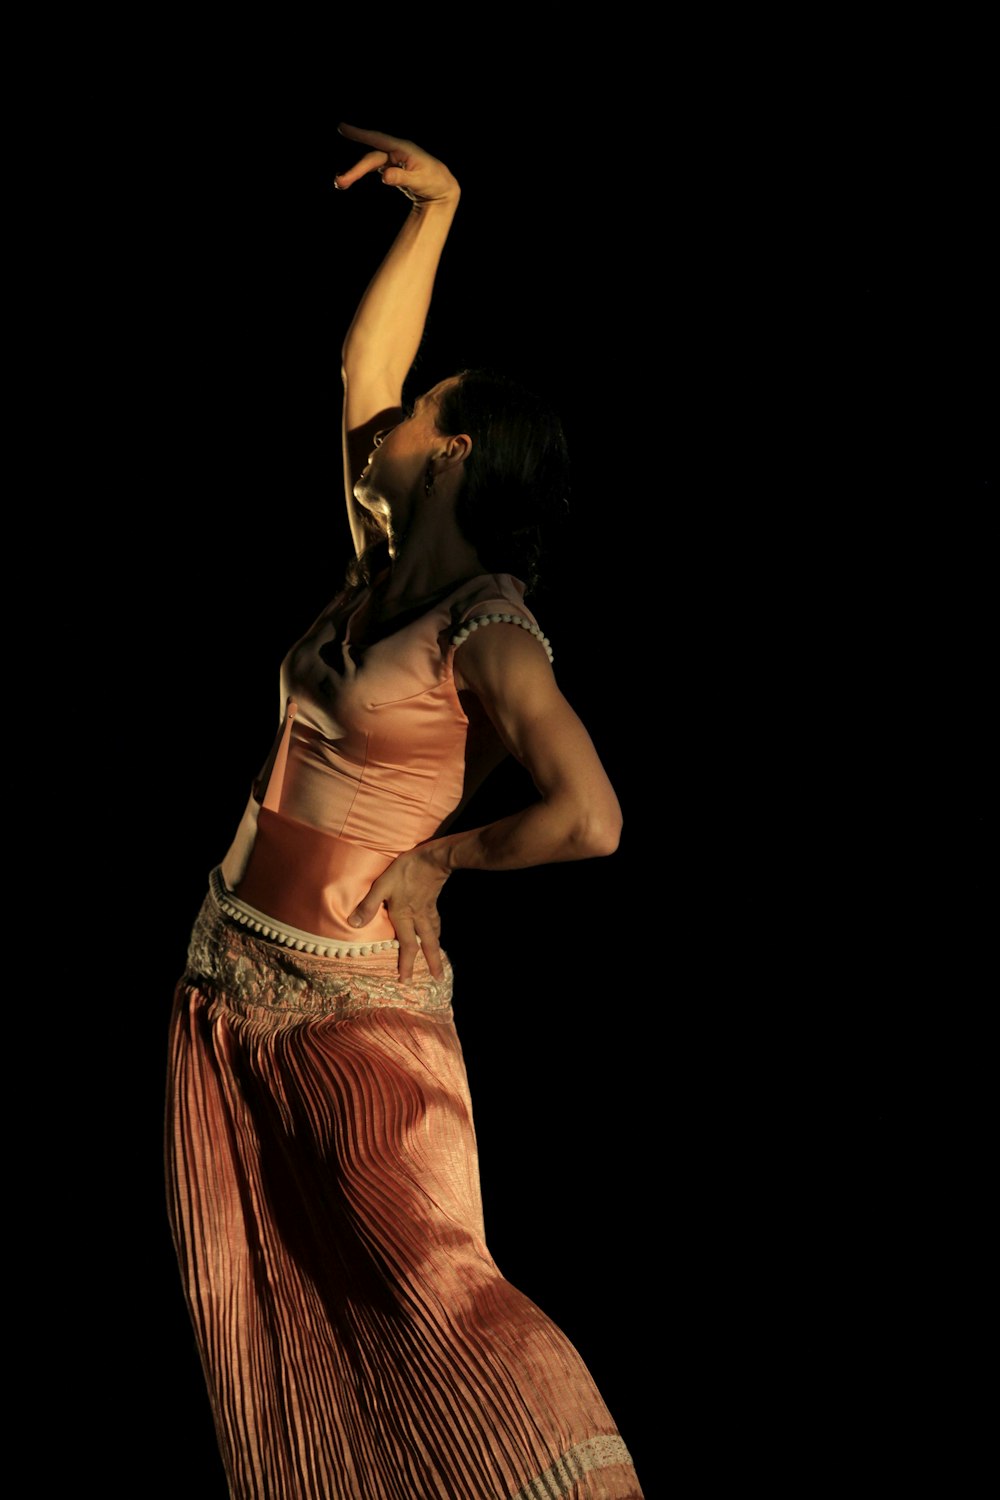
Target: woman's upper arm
{"type": "Point", "coordinates": [366, 411]}
{"type": "Point", "coordinates": [510, 673]}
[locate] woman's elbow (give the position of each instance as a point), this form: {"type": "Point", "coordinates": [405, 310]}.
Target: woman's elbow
{"type": "Point", "coordinates": [600, 833]}
{"type": "Point", "coordinates": [610, 835]}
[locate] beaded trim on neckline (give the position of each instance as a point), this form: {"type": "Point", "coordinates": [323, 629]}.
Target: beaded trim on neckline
{"type": "Point", "coordinates": [479, 620]}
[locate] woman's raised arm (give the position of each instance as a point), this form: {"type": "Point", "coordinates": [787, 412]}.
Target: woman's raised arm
{"type": "Point", "coordinates": [385, 332]}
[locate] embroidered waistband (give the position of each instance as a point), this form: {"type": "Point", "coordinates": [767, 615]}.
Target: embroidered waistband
{"type": "Point", "coordinates": [248, 973]}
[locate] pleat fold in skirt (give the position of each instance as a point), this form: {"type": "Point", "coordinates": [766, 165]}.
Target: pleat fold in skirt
{"type": "Point", "coordinates": [357, 1340]}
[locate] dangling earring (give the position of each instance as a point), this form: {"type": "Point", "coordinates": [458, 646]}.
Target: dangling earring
{"type": "Point", "coordinates": [429, 479]}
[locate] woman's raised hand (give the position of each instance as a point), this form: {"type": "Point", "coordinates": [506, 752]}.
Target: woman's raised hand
{"type": "Point", "coordinates": [402, 164]}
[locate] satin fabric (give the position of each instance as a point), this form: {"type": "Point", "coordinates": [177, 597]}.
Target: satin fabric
{"type": "Point", "coordinates": [368, 759]}
{"type": "Point", "coordinates": [357, 1339]}
{"type": "Point", "coordinates": [310, 879]}
{"type": "Point", "coordinates": [374, 750]}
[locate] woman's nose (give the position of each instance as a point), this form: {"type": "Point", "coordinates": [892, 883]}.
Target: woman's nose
{"type": "Point", "coordinates": [381, 436]}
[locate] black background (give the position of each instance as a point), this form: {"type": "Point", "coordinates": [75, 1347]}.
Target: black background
{"type": "Point", "coordinates": [710, 1135]}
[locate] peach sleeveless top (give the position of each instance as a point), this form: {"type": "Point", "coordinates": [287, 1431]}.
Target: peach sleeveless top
{"type": "Point", "coordinates": [369, 758]}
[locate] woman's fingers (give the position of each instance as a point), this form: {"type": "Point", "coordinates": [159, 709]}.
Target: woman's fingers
{"type": "Point", "coordinates": [390, 151]}
{"type": "Point", "coordinates": [373, 138]}
{"type": "Point", "coordinates": [431, 948]}
{"type": "Point", "coordinates": [372, 161]}
{"type": "Point", "coordinates": [413, 941]}
{"type": "Point", "coordinates": [408, 950]}
{"type": "Point", "coordinates": [413, 912]}
{"type": "Point", "coordinates": [401, 164]}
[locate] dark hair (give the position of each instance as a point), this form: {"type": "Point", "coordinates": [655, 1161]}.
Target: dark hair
{"type": "Point", "coordinates": [517, 476]}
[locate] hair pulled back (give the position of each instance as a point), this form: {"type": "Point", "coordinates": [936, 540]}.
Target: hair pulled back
{"type": "Point", "coordinates": [517, 475]}
{"type": "Point", "coordinates": [516, 484]}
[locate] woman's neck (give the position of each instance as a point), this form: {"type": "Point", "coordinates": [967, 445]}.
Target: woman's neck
{"type": "Point", "coordinates": [414, 579]}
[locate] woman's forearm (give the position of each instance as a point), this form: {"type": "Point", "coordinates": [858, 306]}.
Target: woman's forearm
{"type": "Point", "coordinates": [385, 332]}
{"type": "Point", "coordinates": [544, 833]}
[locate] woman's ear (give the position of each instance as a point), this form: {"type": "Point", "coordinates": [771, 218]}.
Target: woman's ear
{"type": "Point", "coordinates": [456, 451]}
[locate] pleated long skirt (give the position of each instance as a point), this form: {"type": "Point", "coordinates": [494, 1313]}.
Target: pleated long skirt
{"type": "Point", "coordinates": [357, 1340]}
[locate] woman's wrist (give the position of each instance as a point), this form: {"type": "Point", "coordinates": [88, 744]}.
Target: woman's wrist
{"type": "Point", "coordinates": [447, 203]}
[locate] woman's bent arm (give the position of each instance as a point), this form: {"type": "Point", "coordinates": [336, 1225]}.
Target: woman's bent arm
{"type": "Point", "coordinates": [577, 816]}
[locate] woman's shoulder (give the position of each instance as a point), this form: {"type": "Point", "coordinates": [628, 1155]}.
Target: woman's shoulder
{"type": "Point", "coordinates": [489, 593]}
{"type": "Point", "coordinates": [494, 599]}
